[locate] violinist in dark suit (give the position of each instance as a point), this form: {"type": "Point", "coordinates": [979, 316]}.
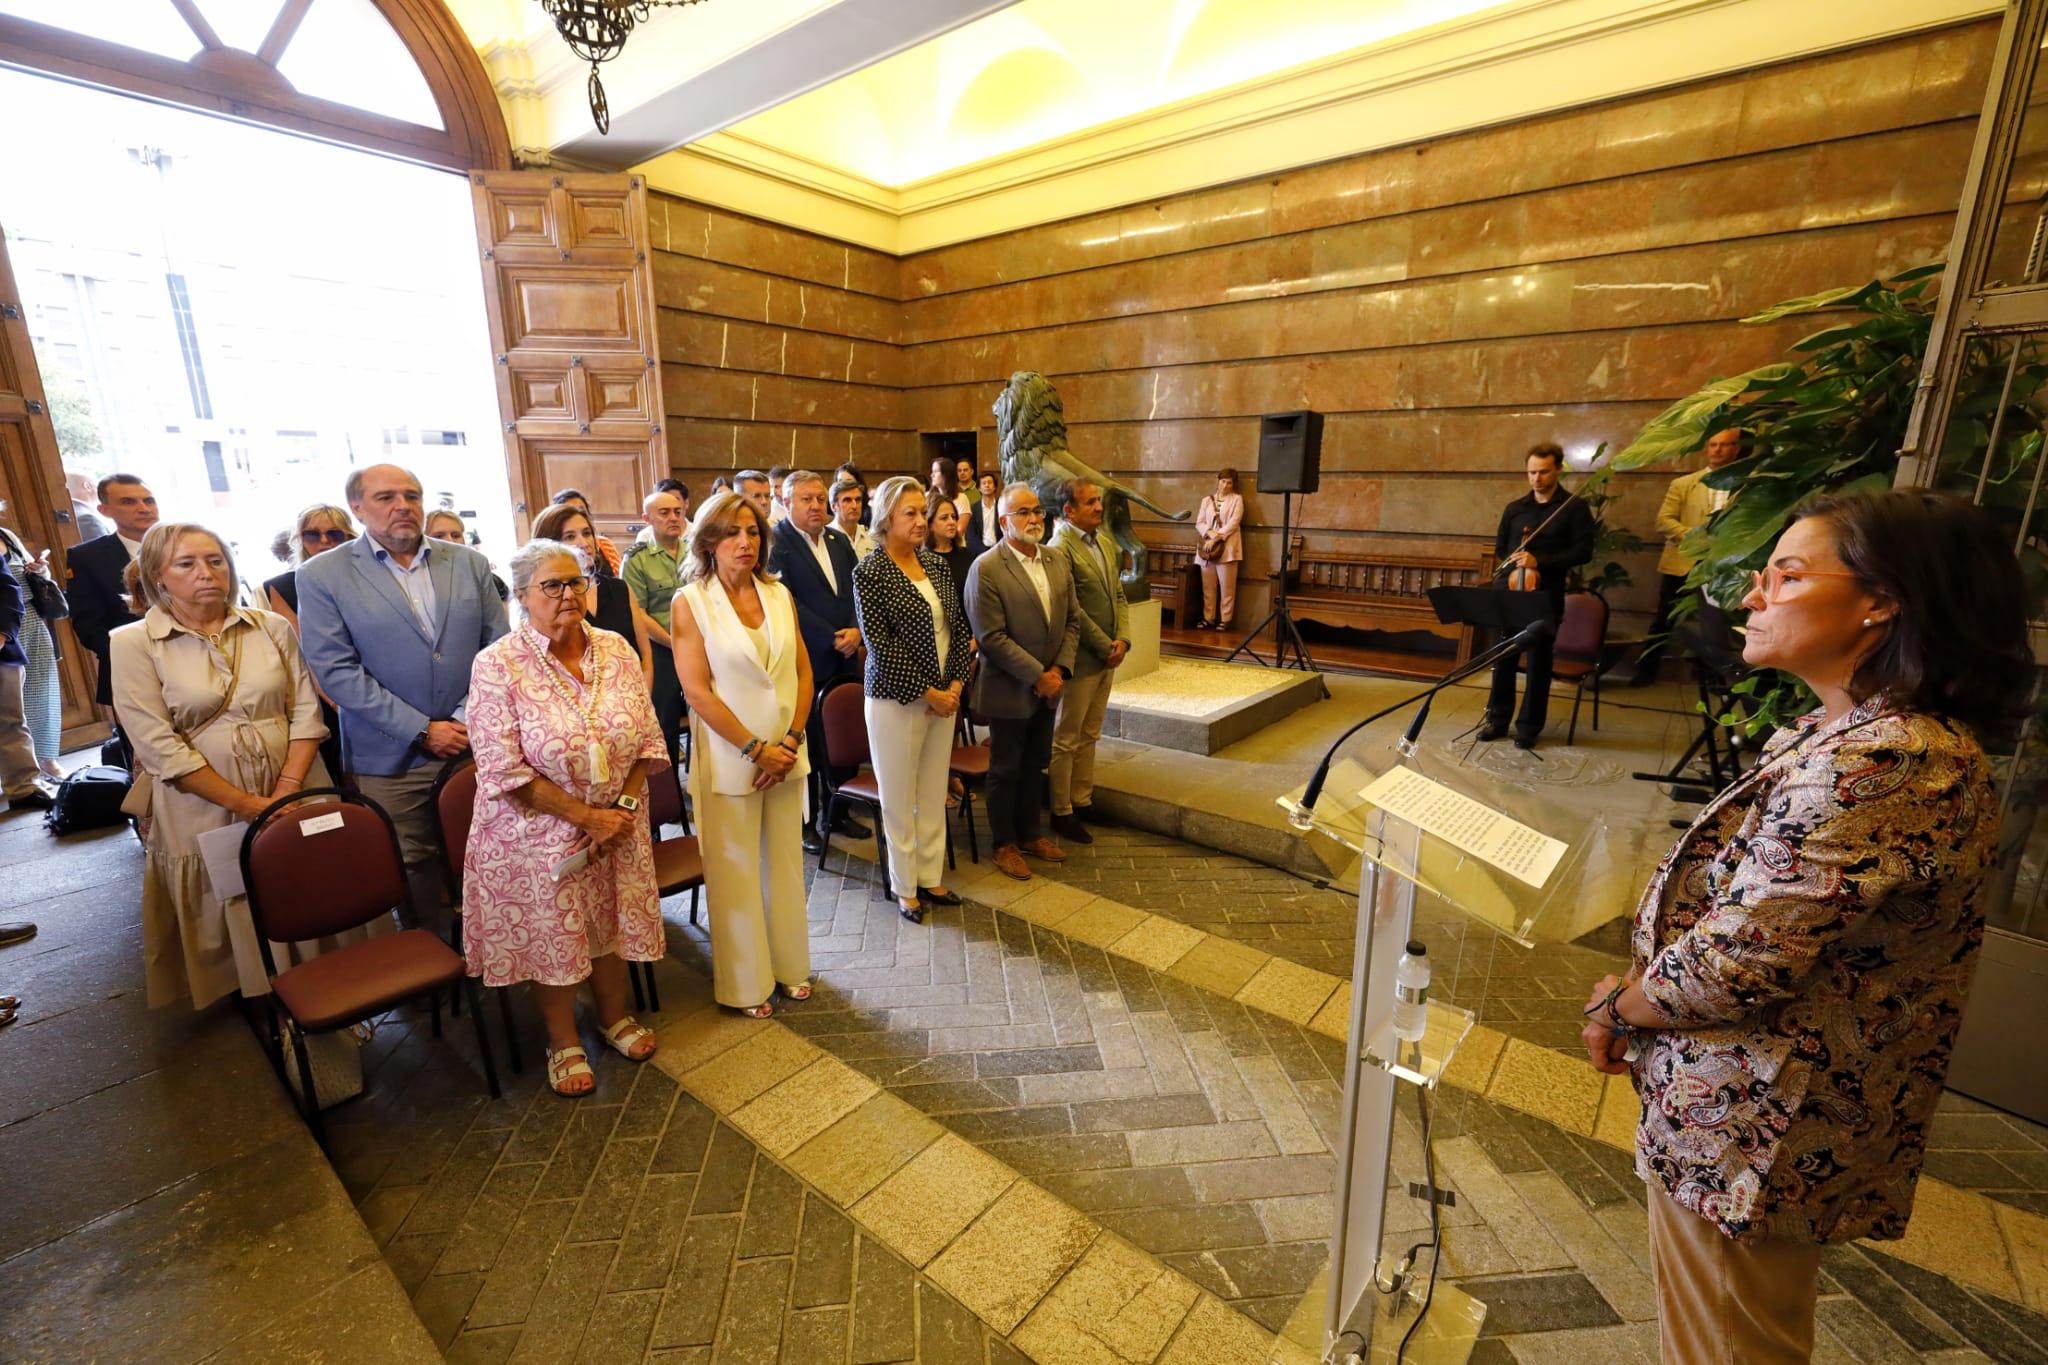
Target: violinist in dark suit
{"type": "Point", "coordinates": [1543, 540]}
{"type": "Point", "coordinates": [96, 582]}
{"type": "Point", "coordinates": [815, 562]}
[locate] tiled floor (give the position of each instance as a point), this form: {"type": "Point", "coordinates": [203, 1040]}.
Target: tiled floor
{"type": "Point", "coordinates": [1067, 1096]}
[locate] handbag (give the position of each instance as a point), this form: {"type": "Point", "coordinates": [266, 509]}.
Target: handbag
{"type": "Point", "coordinates": [1209, 547]}
{"type": "Point", "coordinates": [336, 1060]}
{"type": "Point", "coordinates": [41, 590]}
{"type": "Point", "coordinates": [142, 788]}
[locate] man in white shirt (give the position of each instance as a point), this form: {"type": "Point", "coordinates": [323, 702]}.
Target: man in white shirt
{"type": "Point", "coordinates": [1687, 504]}
{"type": "Point", "coordinates": [1027, 622]}
{"type": "Point", "coordinates": [815, 562]}
{"type": "Point", "coordinates": [1105, 640]}
{"type": "Point", "coordinates": [95, 583]}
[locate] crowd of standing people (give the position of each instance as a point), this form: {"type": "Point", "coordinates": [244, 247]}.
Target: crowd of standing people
{"type": "Point", "coordinates": [389, 653]}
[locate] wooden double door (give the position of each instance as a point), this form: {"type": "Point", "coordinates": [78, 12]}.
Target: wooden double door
{"type": "Point", "coordinates": [32, 485]}
{"type": "Point", "coordinates": [570, 291]}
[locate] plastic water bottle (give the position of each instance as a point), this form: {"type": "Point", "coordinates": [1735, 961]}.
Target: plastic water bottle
{"type": "Point", "coordinates": [1411, 993]}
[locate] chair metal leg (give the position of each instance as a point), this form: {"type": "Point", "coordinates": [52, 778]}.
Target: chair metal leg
{"type": "Point", "coordinates": [455, 942]}
{"type": "Point", "coordinates": [483, 1039]}
{"type": "Point", "coordinates": [309, 1099]}
{"type": "Point", "coordinates": [693, 899]}
{"type": "Point", "coordinates": [633, 976]}
{"type": "Point", "coordinates": [882, 851]}
{"type": "Point", "coordinates": [1571, 733]}
{"type": "Point", "coordinates": [434, 1004]}
{"type": "Point", "coordinates": [511, 1033]}
{"type": "Point", "coordinates": [653, 989]}
{"type": "Point", "coordinates": [950, 861]}
{"type": "Point", "coordinates": [967, 814]}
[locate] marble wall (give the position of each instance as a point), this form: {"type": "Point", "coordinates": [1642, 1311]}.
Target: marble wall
{"type": "Point", "coordinates": [1445, 304]}
{"type": "Point", "coordinates": [778, 347]}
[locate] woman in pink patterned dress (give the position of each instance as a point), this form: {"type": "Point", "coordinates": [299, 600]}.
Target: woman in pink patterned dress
{"type": "Point", "coordinates": [559, 882]}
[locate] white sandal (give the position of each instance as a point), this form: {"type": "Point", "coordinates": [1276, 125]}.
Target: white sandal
{"type": "Point", "coordinates": [567, 1065]}
{"type": "Point", "coordinates": [626, 1035]}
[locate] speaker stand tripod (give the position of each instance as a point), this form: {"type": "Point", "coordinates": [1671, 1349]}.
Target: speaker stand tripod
{"type": "Point", "coordinates": [1288, 649]}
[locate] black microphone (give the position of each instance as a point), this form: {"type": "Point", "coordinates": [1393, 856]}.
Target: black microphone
{"type": "Point", "coordinates": [1303, 816]}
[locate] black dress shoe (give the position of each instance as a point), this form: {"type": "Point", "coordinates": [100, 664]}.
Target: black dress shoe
{"type": "Point", "coordinates": [851, 828]}
{"type": "Point", "coordinates": [1092, 816]}
{"type": "Point", "coordinates": [1525, 741]}
{"type": "Point", "coordinates": [1070, 828]}
{"type": "Point", "coordinates": [814, 842]}
{"type": "Point", "coordinates": [1492, 730]}
{"type": "Point", "coordinates": [35, 799]}
{"type": "Point", "coordinates": [928, 896]}
{"type": "Point", "coordinates": [21, 931]}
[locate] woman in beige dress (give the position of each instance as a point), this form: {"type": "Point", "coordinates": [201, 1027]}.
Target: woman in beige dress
{"type": "Point", "coordinates": [224, 720]}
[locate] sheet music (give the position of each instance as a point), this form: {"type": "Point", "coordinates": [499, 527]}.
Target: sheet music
{"type": "Point", "coordinates": [222, 850]}
{"type": "Point", "coordinates": [1528, 855]}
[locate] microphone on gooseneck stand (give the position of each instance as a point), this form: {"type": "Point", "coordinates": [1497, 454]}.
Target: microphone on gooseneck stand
{"type": "Point", "coordinates": [1303, 815]}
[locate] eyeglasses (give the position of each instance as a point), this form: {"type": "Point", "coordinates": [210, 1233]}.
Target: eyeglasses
{"type": "Point", "coordinates": [1770, 582]}
{"type": "Point", "coordinates": [328, 537]}
{"type": "Point", "coordinates": [1028, 513]}
{"type": "Point", "coordinates": [554, 587]}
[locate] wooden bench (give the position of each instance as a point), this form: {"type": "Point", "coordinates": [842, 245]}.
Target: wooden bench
{"type": "Point", "coordinates": [1176, 582]}
{"type": "Point", "coordinates": [1387, 592]}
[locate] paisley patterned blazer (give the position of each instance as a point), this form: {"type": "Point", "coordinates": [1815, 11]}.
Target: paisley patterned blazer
{"type": "Point", "coordinates": [1811, 939]}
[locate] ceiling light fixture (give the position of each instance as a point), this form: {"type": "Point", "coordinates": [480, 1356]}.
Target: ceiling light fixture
{"type": "Point", "coordinates": [596, 31]}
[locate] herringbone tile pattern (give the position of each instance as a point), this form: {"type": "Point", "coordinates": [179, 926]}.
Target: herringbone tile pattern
{"type": "Point", "coordinates": [1197, 1128]}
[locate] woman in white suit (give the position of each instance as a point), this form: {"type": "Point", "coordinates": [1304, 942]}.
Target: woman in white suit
{"type": "Point", "coordinates": [748, 681]}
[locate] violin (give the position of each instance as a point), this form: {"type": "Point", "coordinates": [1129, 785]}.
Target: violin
{"type": "Point", "coordinates": [1526, 578]}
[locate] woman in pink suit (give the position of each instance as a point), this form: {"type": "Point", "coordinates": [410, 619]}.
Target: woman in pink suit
{"type": "Point", "coordinates": [558, 886]}
{"type": "Point", "coordinates": [1219, 540]}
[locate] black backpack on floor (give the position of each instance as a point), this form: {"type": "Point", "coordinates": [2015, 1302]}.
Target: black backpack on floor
{"type": "Point", "coordinates": [88, 799]}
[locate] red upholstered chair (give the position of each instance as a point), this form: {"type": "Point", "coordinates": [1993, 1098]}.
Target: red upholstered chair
{"type": "Point", "coordinates": [322, 862]}
{"type": "Point", "coordinates": [454, 799]}
{"type": "Point", "coordinates": [678, 861]}
{"type": "Point", "coordinates": [1580, 652]}
{"type": "Point", "coordinates": [970, 765]}
{"type": "Point", "coordinates": [846, 746]}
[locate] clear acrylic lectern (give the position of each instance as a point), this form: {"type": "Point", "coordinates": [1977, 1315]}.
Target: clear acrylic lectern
{"type": "Point", "coordinates": [1499, 853]}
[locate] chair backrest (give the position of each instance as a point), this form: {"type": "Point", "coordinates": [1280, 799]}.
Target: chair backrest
{"type": "Point", "coordinates": [454, 811]}
{"type": "Point", "coordinates": [664, 800]}
{"type": "Point", "coordinates": [321, 862]}
{"type": "Point", "coordinates": [846, 725]}
{"type": "Point", "coordinates": [1582, 635]}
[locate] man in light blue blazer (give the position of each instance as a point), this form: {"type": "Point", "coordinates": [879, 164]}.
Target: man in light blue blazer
{"type": "Point", "coordinates": [389, 626]}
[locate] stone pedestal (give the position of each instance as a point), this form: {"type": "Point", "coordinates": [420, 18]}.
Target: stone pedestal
{"type": "Point", "coordinates": [1144, 655]}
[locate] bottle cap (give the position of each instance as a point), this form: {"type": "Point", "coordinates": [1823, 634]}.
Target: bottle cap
{"type": "Point", "coordinates": [1416, 948]}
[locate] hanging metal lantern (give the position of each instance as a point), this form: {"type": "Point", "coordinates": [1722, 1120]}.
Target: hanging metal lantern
{"type": "Point", "coordinates": [596, 31]}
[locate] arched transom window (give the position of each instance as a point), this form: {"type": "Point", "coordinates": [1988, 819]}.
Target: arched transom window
{"type": "Point", "coordinates": [394, 76]}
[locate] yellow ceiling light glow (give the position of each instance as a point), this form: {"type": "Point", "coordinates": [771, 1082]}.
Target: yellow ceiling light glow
{"type": "Point", "coordinates": [1046, 69]}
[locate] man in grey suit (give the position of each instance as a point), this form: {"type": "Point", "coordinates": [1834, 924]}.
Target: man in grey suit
{"type": "Point", "coordinates": [1020, 600]}
{"type": "Point", "coordinates": [1105, 641]}
{"type": "Point", "coordinates": [389, 627]}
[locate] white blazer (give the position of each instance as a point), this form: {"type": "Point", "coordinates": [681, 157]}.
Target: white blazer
{"type": "Point", "coordinates": [763, 696]}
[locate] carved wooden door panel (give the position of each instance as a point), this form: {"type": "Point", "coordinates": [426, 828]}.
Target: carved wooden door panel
{"type": "Point", "coordinates": [32, 485]}
{"type": "Point", "coordinates": [570, 292]}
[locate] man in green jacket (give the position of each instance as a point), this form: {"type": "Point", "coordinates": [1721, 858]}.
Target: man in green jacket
{"type": "Point", "coordinates": [1105, 641]}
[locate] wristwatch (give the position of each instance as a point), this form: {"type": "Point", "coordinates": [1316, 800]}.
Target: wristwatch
{"type": "Point", "coordinates": [627, 803]}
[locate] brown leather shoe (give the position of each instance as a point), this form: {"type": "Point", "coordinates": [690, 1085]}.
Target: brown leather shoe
{"type": "Point", "coordinates": [1044, 848]}
{"type": "Point", "coordinates": [1010, 863]}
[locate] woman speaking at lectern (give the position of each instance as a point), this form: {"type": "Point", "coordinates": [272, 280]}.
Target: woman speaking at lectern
{"type": "Point", "coordinates": [1802, 955]}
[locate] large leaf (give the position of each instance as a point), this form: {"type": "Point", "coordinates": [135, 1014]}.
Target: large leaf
{"type": "Point", "coordinates": [1682, 427]}
{"type": "Point", "coordinates": [1812, 303]}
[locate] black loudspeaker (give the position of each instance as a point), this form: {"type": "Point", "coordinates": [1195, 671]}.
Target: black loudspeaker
{"type": "Point", "coordinates": [1290, 452]}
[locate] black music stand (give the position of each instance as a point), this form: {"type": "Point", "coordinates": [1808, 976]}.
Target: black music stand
{"type": "Point", "coordinates": [1506, 610]}
{"type": "Point", "coordinates": [1709, 639]}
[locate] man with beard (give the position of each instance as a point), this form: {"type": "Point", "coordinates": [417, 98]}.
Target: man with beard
{"type": "Point", "coordinates": [390, 625]}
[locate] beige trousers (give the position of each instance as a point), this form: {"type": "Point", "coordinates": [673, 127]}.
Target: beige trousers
{"type": "Point", "coordinates": [912, 751]}
{"type": "Point", "coordinates": [1723, 1302]}
{"type": "Point", "coordinates": [1083, 702]}
{"type": "Point", "coordinates": [754, 889]}
{"type": "Point", "coordinates": [1219, 579]}
{"type": "Point", "coordinates": [18, 769]}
